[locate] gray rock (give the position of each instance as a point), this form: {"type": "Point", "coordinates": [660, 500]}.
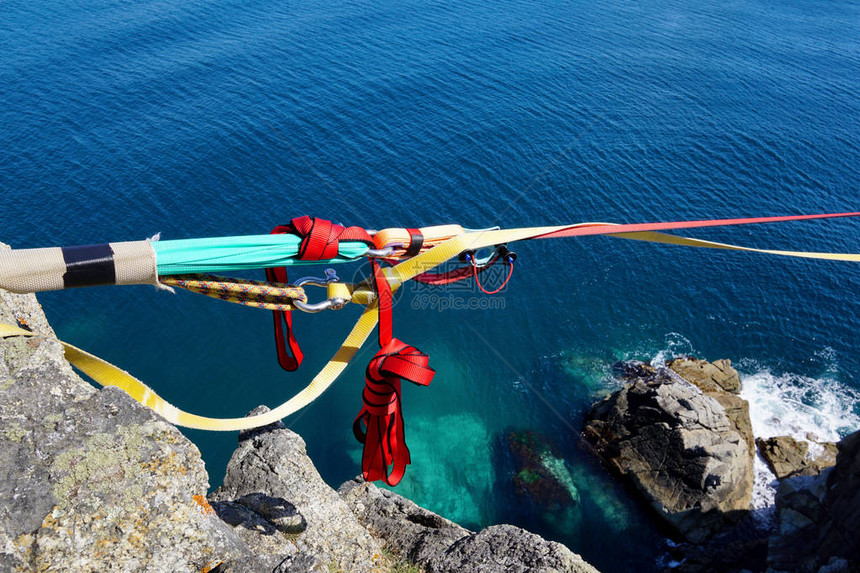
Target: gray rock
{"type": "Point", "coordinates": [819, 517]}
{"type": "Point", "coordinates": [507, 549]}
{"type": "Point", "coordinates": [435, 544]}
{"type": "Point", "coordinates": [282, 514]}
{"type": "Point", "coordinates": [799, 509]}
{"type": "Point", "coordinates": [273, 514]}
{"type": "Point", "coordinates": [273, 461]}
{"type": "Point", "coordinates": [267, 563]}
{"type": "Point", "coordinates": [784, 455]}
{"type": "Point", "coordinates": [679, 447]}
{"type": "Point", "coordinates": [89, 479]}
{"type": "Point", "coordinates": [716, 376]}
{"type": "Point", "coordinates": [718, 380]}
{"type": "Point", "coordinates": [411, 532]}
{"type": "Point", "coordinates": [839, 532]}
{"type": "Point", "coordinates": [788, 457]}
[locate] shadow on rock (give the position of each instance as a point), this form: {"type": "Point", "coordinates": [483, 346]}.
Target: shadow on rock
{"type": "Point", "coordinates": [261, 513]}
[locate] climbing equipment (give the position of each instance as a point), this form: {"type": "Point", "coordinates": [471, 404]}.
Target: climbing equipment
{"type": "Point", "coordinates": [411, 253]}
{"type": "Point", "coordinates": [502, 253]}
{"type": "Point", "coordinates": [320, 240]}
{"type": "Point", "coordinates": [382, 415]}
{"type": "Point", "coordinates": [256, 294]}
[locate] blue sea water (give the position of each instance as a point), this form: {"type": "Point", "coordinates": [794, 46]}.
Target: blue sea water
{"type": "Point", "coordinates": [122, 119]}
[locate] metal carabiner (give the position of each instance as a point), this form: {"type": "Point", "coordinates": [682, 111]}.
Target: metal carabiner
{"type": "Point", "coordinates": [335, 303]}
{"type": "Point", "coordinates": [381, 252]}
{"type": "Point", "coordinates": [312, 308]}
{"type": "Point", "coordinates": [330, 277]}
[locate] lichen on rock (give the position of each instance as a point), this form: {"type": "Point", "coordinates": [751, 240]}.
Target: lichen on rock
{"type": "Point", "coordinates": [91, 480]}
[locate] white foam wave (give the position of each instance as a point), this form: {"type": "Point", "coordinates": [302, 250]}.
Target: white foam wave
{"type": "Point", "coordinates": [676, 345]}
{"type": "Point", "coordinates": [803, 407]}
{"type": "Point", "coordinates": [797, 406]}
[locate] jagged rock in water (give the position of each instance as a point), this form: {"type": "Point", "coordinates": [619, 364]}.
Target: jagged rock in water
{"type": "Point", "coordinates": [799, 506]}
{"type": "Point", "coordinates": [789, 457]}
{"type": "Point", "coordinates": [840, 535]}
{"type": "Point", "coordinates": [819, 517]}
{"type": "Point", "coordinates": [542, 477]}
{"type": "Point", "coordinates": [271, 463]}
{"type": "Point", "coordinates": [90, 480]}
{"type": "Point", "coordinates": [716, 376]}
{"type": "Point", "coordinates": [721, 382]}
{"type": "Point", "coordinates": [679, 447]}
{"type": "Point", "coordinates": [438, 545]}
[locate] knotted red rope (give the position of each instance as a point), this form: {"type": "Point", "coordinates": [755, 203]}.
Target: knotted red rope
{"type": "Point", "coordinates": [320, 239]}
{"type": "Point", "coordinates": [385, 454]}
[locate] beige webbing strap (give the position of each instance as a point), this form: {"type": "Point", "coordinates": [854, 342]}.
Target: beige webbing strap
{"type": "Point", "coordinates": [32, 270]}
{"type": "Point", "coordinates": [35, 270]}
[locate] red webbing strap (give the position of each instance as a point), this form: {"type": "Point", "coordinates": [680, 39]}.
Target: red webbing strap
{"type": "Point", "coordinates": [580, 231]}
{"type": "Point", "coordinates": [452, 276]}
{"type": "Point", "coordinates": [284, 329]}
{"type": "Point", "coordinates": [320, 239]}
{"type": "Point", "coordinates": [284, 337]}
{"type": "Point", "coordinates": [385, 454]}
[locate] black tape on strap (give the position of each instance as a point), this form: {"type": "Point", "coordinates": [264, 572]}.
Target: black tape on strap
{"type": "Point", "coordinates": [89, 265]}
{"type": "Point", "coordinates": [416, 240]}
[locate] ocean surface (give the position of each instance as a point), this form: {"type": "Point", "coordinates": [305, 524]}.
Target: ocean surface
{"type": "Point", "coordinates": [122, 119]}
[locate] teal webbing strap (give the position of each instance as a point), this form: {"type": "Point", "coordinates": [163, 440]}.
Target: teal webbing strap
{"type": "Point", "coordinates": [223, 254]}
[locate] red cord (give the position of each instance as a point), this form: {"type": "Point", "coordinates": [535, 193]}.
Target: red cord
{"type": "Point", "coordinates": [480, 286]}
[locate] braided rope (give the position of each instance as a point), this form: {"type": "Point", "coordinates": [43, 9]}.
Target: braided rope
{"type": "Point", "coordinates": [255, 294]}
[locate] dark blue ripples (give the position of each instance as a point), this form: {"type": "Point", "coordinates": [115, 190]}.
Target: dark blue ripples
{"type": "Point", "coordinates": [118, 120]}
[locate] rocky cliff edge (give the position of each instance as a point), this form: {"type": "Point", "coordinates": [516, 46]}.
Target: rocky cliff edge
{"type": "Point", "coordinates": [92, 481]}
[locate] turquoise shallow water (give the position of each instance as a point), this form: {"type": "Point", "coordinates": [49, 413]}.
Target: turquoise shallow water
{"type": "Point", "coordinates": [120, 120]}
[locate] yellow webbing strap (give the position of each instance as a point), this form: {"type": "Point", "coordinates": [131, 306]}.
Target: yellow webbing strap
{"type": "Point", "coordinates": [107, 374]}
{"type": "Point", "coordinates": [476, 240]}
{"type": "Point", "coordinates": [653, 237]}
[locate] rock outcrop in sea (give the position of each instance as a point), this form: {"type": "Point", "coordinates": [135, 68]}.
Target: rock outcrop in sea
{"type": "Point", "coordinates": [682, 436]}
{"type": "Point", "coordinates": [90, 480]}
{"type": "Point", "coordinates": [686, 446]}
{"type": "Point", "coordinates": [788, 457]}
{"type": "Point", "coordinates": [819, 517]}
